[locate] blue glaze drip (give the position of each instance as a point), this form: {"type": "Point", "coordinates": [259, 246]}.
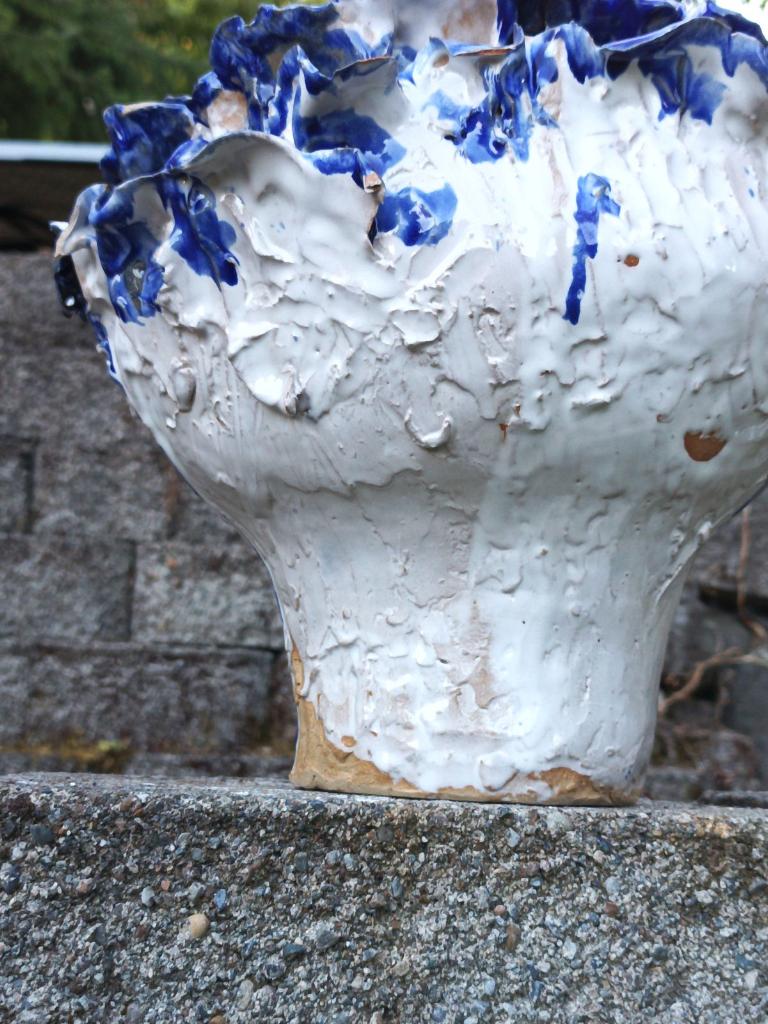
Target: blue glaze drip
{"type": "Point", "coordinates": [682, 89]}
{"type": "Point", "coordinates": [104, 346]}
{"type": "Point", "coordinates": [126, 250]}
{"type": "Point", "coordinates": [199, 236]}
{"type": "Point", "coordinates": [418, 218]}
{"type": "Point", "coordinates": [593, 199]}
{"type": "Point", "coordinates": [134, 278]}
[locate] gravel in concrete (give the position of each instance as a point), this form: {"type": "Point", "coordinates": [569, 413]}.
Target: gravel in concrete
{"type": "Point", "coordinates": [326, 909]}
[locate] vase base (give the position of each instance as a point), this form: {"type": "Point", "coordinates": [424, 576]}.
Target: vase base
{"type": "Point", "coordinates": [321, 765]}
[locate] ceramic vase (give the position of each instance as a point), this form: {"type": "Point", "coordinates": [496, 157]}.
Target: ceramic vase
{"type": "Point", "coordinates": [459, 313]}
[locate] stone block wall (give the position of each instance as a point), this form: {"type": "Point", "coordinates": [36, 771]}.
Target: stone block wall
{"type": "Point", "coordinates": [136, 625]}
{"type": "Point", "coordinates": [132, 618]}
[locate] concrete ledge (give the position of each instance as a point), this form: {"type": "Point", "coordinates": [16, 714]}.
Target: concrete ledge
{"type": "Point", "coordinates": [321, 909]}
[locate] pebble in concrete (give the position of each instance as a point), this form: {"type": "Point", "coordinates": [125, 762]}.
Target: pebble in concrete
{"type": "Point", "coordinates": [198, 925]}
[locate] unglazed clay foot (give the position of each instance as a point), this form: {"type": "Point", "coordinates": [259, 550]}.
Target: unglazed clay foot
{"type": "Point", "coordinates": [459, 315]}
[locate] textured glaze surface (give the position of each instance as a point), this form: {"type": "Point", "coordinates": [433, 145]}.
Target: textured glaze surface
{"type": "Point", "coordinates": [468, 339]}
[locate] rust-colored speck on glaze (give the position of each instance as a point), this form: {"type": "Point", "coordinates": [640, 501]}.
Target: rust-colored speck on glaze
{"type": "Point", "coordinates": [321, 765]}
{"type": "Point", "coordinates": [703, 447]}
{"type": "Point", "coordinates": [504, 428]}
{"type": "Point", "coordinates": [632, 261]}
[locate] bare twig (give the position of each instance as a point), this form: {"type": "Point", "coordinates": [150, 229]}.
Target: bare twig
{"type": "Point", "coordinates": [730, 656]}
{"type": "Point", "coordinates": [756, 628]}
{"type": "Point", "coordinates": [758, 655]}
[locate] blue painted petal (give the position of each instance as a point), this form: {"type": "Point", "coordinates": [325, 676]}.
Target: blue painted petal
{"type": "Point", "coordinates": [347, 130]}
{"type": "Point", "coordinates": [207, 89]}
{"type": "Point", "coordinates": [235, 60]}
{"type": "Point", "coordinates": [186, 153]}
{"type": "Point", "coordinates": [144, 137]}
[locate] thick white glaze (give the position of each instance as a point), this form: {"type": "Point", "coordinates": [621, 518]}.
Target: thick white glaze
{"type": "Point", "coordinates": [478, 516]}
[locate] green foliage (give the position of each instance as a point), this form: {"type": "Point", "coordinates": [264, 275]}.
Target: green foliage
{"type": "Point", "coordinates": [63, 63]}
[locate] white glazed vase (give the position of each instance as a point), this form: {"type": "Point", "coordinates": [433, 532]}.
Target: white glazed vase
{"type": "Point", "coordinates": [459, 315]}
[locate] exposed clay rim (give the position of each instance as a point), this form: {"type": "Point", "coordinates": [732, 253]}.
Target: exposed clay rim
{"type": "Point", "coordinates": [321, 765]}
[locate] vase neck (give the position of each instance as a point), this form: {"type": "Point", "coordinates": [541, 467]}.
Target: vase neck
{"type": "Point", "coordinates": [464, 651]}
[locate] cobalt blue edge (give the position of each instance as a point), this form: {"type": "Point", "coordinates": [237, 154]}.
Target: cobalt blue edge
{"type": "Point", "coordinates": [156, 143]}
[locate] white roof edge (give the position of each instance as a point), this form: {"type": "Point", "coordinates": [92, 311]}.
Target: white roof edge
{"type": "Point", "coordinates": [22, 151]}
